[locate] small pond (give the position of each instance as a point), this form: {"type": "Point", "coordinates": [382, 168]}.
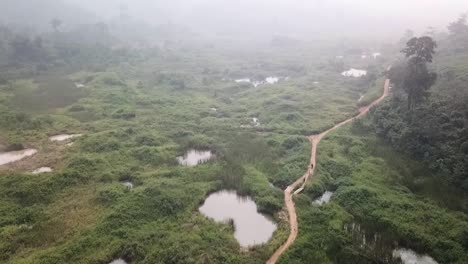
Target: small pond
{"type": "Point", "coordinates": [272, 79]}
{"type": "Point", "coordinates": [408, 256]}
{"type": "Point", "coordinates": [42, 170]}
{"type": "Point", "coordinates": [383, 244]}
{"type": "Point", "coordinates": [376, 54]}
{"type": "Point", "coordinates": [267, 80]}
{"type": "Point", "coordinates": [12, 156]}
{"type": "Point", "coordinates": [251, 227]}
{"type": "Point", "coordinates": [324, 199]}
{"type": "Point", "coordinates": [127, 184]}
{"type": "Point", "coordinates": [354, 73]}
{"type": "Point", "coordinates": [195, 157]}
{"type": "Point", "coordinates": [63, 137]}
{"type": "Point", "coordinates": [118, 261]}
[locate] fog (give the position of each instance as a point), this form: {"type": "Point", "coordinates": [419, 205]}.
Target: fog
{"type": "Point", "coordinates": [302, 19]}
{"type": "Point", "coordinates": [292, 17]}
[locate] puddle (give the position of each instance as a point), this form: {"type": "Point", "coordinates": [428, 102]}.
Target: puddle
{"type": "Point", "coordinates": [195, 157]}
{"type": "Point", "coordinates": [79, 85]}
{"type": "Point", "coordinates": [324, 199]}
{"type": "Point", "coordinates": [245, 80]}
{"type": "Point", "coordinates": [272, 79]}
{"type": "Point", "coordinates": [118, 261]}
{"type": "Point", "coordinates": [251, 227]}
{"type": "Point", "coordinates": [408, 256]}
{"type": "Point", "coordinates": [354, 73]}
{"type": "Point", "coordinates": [42, 170]}
{"type": "Point", "coordinates": [255, 121]}
{"type": "Point", "coordinates": [214, 109]}
{"type": "Point", "coordinates": [360, 98]}
{"type": "Point", "coordinates": [383, 244]}
{"type": "Point", "coordinates": [256, 83]}
{"type": "Point", "coordinates": [12, 156]}
{"type": "Point", "coordinates": [63, 137]}
{"type": "Point", "coordinates": [128, 184]}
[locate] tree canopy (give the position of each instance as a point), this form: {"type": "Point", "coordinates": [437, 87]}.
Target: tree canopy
{"type": "Point", "coordinates": [414, 77]}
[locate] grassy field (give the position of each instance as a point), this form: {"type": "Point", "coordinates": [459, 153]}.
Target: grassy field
{"type": "Point", "coordinates": [137, 117]}
{"type": "Point", "coordinates": [370, 184]}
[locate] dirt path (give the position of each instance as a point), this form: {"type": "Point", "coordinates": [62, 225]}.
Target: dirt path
{"type": "Point", "coordinates": [289, 192]}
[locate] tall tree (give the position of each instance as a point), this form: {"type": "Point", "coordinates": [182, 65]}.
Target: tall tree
{"type": "Point", "coordinates": [420, 48]}
{"type": "Point", "coordinates": [417, 79]}
{"type": "Point", "coordinates": [459, 34]}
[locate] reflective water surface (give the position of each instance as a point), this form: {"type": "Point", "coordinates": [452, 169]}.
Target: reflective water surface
{"type": "Point", "coordinates": [251, 227]}
{"type": "Point", "coordinates": [63, 137]}
{"type": "Point", "coordinates": [12, 156]}
{"type": "Point", "coordinates": [195, 157]}
{"type": "Point", "coordinates": [42, 170]}
{"type": "Point", "coordinates": [325, 198]}
{"type": "Point", "coordinates": [354, 73]}
{"type": "Point", "coordinates": [118, 261]}
{"type": "Point", "coordinates": [408, 256]}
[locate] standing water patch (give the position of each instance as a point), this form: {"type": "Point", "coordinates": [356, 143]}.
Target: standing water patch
{"type": "Point", "coordinates": [42, 170]}
{"type": "Point", "coordinates": [408, 256]}
{"type": "Point", "coordinates": [195, 157]}
{"type": "Point", "coordinates": [325, 198]}
{"type": "Point", "coordinates": [128, 185]}
{"type": "Point", "coordinates": [354, 73]}
{"type": "Point", "coordinates": [63, 137]}
{"type": "Point", "coordinates": [251, 227]}
{"type": "Point", "coordinates": [118, 261]}
{"type": "Point", "coordinates": [12, 156]}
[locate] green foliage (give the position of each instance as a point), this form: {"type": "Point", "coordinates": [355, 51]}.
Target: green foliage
{"type": "Point", "coordinates": [414, 77]}
{"type": "Point", "coordinates": [376, 195]}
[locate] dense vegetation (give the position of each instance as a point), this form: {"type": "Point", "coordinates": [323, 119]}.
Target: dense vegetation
{"type": "Point", "coordinates": [141, 102]}
{"type": "Point", "coordinates": [435, 131]}
{"type": "Point", "coordinates": [140, 108]}
{"type": "Point", "coordinates": [398, 176]}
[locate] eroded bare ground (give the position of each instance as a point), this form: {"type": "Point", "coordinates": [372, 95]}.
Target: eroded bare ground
{"type": "Point", "coordinates": [49, 154]}
{"type": "Point", "coordinates": [293, 188]}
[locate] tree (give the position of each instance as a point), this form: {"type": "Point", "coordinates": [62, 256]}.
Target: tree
{"type": "Point", "coordinates": [459, 33]}
{"type": "Point", "coordinates": [420, 48]}
{"type": "Point", "coordinates": [56, 23]}
{"type": "Point", "coordinates": [417, 79]}
{"type": "Point", "coordinates": [458, 27]}
{"type": "Point", "coordinates": [409, 34]}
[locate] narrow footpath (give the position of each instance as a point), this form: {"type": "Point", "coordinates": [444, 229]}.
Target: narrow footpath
{"type": "Point", "coordinates": [301, 182]}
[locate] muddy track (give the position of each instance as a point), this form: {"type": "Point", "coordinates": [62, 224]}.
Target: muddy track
{"type": "Point", "coordinates": [293, 188]}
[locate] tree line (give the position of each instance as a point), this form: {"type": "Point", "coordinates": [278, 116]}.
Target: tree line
{"type": "Point", "coordinates": [427, 116]}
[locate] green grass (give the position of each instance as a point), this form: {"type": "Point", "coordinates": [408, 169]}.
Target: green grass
{"type": "Point", "coordinates": [136, 118]}
{"type": "Point", "coordinates": [368, 179]}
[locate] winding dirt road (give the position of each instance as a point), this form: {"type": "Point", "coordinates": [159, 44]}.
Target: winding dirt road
{"type": "Point", "coordinates": [289, 192]}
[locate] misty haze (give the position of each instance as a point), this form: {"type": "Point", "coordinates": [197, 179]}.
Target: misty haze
{"type": "Point", "coordinates": [233, 131]}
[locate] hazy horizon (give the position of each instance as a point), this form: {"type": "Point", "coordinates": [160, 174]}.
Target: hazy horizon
{"type": "Point", "coordinates": [296, 17]}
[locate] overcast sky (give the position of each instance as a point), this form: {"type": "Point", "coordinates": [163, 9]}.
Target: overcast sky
{"type": "Point", "coordinates": [294, 16]}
